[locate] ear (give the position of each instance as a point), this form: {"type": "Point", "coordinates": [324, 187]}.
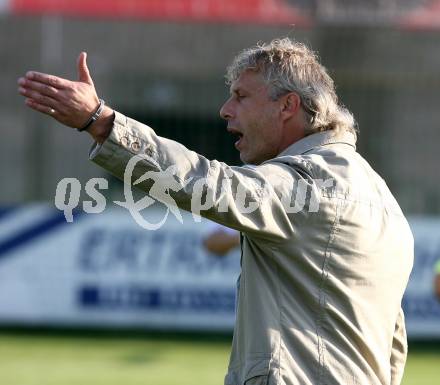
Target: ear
{"type": "Point", "coordinates": [290, 105]}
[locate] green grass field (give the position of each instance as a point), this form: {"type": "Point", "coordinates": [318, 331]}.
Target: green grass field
{"type": "Point", "coordinates": [31, 358]}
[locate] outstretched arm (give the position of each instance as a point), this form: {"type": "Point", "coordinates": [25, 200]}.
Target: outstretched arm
{"type": "Point", "coordinates": [249, 199]}
{"type": "Point", "coordinates": [71, 103]}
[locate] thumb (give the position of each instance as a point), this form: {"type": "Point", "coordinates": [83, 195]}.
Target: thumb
{"type": "Point", "coordinates": [83, 70]}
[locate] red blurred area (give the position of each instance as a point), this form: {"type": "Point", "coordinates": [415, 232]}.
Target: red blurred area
{"type": "Point", "coordinates": [423, 18]}
{"type": "Point", "coordinates": [259, 11]}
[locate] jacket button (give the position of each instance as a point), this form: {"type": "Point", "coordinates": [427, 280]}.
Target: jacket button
{"type": "Point", "coordinates": [124, 141]}
{"type": "Point", "coordinates": [135, 146]}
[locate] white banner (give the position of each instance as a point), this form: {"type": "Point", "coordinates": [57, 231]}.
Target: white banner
{"type": "Point", "coordinates": [105, 270]}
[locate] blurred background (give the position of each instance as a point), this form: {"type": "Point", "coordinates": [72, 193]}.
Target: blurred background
{"type": "Point", "coordinates": [162, 62]}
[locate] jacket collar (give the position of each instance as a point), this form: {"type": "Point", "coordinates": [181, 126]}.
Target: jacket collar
{"type": "Point", "coordinates": [319, 139]}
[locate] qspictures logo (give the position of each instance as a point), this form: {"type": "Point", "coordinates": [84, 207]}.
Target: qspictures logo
{"type": "Point", "coordinates": [243, 195]}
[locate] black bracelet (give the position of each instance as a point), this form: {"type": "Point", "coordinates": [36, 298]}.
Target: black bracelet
{"type": "Point", "coordinates": [94, 117]}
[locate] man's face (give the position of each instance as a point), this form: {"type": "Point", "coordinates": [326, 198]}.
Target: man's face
{"type": "Point", "coordinates": [254, 118]}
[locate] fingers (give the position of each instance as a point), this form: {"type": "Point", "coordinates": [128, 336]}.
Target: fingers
{"type": "Point", "coordinates": [41, 108]}
{"type": "Point", "coordinates": [42, 88]}
{"type": "Point", "coordinates": [50, 80]}
{"type": "Point", "coordinates": [39, 98]}
{"type": "Point", "coordinates": [83, 70]}
{"type": "Point", "coordinates": [69, 102]}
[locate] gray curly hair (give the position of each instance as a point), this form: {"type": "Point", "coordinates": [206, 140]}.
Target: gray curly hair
{"type": "Point", "coordinates": [290, 66]}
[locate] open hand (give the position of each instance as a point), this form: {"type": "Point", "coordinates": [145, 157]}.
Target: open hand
{"type": "Point", "coordinates": [70, 102]}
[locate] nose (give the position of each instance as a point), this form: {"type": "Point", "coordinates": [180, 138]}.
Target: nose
{"type": "Point", "coordinates": [226, 111]}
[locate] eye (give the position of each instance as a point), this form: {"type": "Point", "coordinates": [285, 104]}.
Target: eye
{"type": "Point", "coordinates": [240, 96]}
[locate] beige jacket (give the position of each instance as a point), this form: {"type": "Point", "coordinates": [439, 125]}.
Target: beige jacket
{"type": "Point", "coordinates": [321, 289]}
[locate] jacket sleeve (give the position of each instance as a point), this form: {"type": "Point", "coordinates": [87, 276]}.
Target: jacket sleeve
{"type": "Point", "coordinates": [399, 350]}
{"type": "Point", "coordinates": [250, 199]}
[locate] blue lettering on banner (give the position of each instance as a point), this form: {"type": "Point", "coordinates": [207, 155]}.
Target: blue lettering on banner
{"type": "Point", "coordinates": [180, 251]}
{"type": "Point", "coordinates": [141, 298]}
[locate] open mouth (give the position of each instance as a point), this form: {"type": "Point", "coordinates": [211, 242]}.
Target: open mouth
{"type": "Point", "coordinates": [239, 137]}
{"type": "Point", "coordinates": [237, 134]}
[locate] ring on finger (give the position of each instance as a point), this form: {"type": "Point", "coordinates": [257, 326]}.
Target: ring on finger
{"type": "Point", "coordinates": [51, 111]}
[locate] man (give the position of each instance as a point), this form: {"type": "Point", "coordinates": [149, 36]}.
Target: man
{"type": "Point", "coordinates": [220, 240]}
{"type": "Point", "coordinates": [319, 299]}
{"type": "Point", "coordinates": [437, 279]}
